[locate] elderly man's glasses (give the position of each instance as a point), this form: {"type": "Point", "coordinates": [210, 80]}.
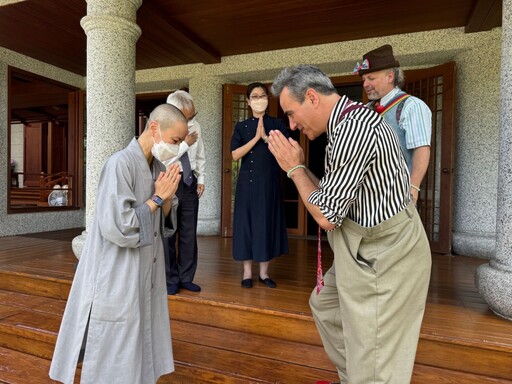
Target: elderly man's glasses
{"type": "Point", "coordinates": [259, 97]}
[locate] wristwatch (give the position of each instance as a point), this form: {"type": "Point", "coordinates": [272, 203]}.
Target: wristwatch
{"type": "Point", "coordinates": [157, 200]}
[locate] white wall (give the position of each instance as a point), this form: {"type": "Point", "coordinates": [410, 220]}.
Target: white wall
{"type": "Point", "coordinates": [17, 148]}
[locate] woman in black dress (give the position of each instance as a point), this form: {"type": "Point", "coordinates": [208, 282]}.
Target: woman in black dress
{"type": "Point", "coordinates": [259, 230]}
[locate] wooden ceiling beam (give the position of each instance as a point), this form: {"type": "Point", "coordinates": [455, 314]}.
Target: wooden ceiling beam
{"type": "Point", "coordinates": [157, 29]}
{"type": "Point", "coordinates": [15, 117]}
{"type": "Point", "coordinates": [38, 100]}
{"type": "Point", "coordinates": [485, 15]}
{"type": "Point", "coordinates": [49, 116]}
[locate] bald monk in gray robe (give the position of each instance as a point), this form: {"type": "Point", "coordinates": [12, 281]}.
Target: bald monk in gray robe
{"type": "Point", "coordinates": [117, 306]}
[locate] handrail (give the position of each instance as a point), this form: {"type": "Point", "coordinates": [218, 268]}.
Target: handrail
{"type": "Point", "coordinates": [47, 184]}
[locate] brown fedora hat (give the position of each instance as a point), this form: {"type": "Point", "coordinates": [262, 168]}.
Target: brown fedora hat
{"type": "Point", "coordinates": [379, 58]}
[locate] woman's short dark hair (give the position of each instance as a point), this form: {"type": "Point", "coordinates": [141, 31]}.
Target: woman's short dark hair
{"type": "Point", "coordinates": [251, 86]}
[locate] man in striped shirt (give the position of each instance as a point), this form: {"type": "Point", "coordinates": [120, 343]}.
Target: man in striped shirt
{"type": "Point", "coordinates": [370, 308]}
{"type": "Point", "coordinates": [410, 117]}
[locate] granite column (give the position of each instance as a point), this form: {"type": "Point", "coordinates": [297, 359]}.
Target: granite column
{"type": "Point", "coordinates": [112, 33]}
{"type": "Point", "coordinates": [494, 280]}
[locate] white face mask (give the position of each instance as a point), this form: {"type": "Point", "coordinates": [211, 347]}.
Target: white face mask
{"type": "Point", "coordinates": [164, 151]}
{"type": "Point", "coordinates": [259, 106]}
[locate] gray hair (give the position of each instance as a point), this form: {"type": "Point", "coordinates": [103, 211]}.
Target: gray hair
{"type": "Point", "coordinates": [166, 115]}
{"type": "Point", "coordinates": [399, 78]}
{"type": "Point", "coordinates": [299, 79]}
{"type": "Point", "coordinates": [181, 100]}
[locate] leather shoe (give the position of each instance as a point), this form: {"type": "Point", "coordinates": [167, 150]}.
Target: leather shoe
{"type": "Point", "coordinates": [247, 283]}
{"type": "Point", "coordinates": [190, 286]}
{"type": "Point", "coordinates": [172, 289]}
{"type": "Point", "coordinates": [268, 282]}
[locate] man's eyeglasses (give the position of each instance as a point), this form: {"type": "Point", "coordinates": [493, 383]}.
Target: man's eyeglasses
{"type": "Point", "coordinates": [258, 97]}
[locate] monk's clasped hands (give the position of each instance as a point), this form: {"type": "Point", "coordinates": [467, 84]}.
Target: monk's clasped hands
{"type": "Point", "coordinates": [167, 182]}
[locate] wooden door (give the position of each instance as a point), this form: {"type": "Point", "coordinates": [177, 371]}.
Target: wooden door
{"type": "Point", "coordinates": [34, 150]}
{"type": "Point", "coordinates": [436, 87]}
{"type": "Point", "coordinates": [76, 148]}
{"type": "Point", "coordinates": [57, 148]}
{"type": "Point", "coordinates": [235, 109]}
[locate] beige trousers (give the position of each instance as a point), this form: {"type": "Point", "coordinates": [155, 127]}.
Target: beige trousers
{"type": "Point", "coordinates": [370, 310]}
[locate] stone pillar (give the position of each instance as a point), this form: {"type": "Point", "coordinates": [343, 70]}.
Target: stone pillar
{"type": "Point", "coordinates": [207, 94]}
{"type": "Point", "coordinates": [112, 32]}
{"type": "Point", "coordinates": [494, 280]}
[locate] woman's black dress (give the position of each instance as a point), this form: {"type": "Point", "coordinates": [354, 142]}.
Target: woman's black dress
{"type": "Point", "coordinates": [259, 229]}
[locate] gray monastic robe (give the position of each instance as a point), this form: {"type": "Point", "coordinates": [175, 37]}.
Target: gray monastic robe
{"type": "Point", "coordinates": [119, 285]}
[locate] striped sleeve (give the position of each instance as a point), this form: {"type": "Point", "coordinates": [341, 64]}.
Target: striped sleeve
{"type": "Point", "coordinates": [350, 151]}
{"type": "Point", "coordinates": [366, 177]}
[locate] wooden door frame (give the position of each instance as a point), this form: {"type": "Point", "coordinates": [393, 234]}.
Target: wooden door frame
{"type": "Point", "coordinates": [447, 151]}
{"type": "Point", "coordinates": [226, 179]}
{"type": "Point", "coordinates": [76, 144]}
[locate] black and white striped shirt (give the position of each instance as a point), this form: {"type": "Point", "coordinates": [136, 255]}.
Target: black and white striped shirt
{"type": "Point", "coordinates": [366, 177]}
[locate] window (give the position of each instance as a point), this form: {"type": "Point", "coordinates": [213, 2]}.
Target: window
{"type": "Point", "coordinates": [46, 144]}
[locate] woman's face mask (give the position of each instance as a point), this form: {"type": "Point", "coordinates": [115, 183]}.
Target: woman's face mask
{"type": "Point", "coordinates": [163, 151]}
{"type": "Point", "coordinates": [259, 106]}
{"type": "Point", "coordinates": [258, 101]}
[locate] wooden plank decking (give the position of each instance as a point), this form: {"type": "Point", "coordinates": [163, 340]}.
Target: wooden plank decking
{"type": "Point", "coordinates": [226, 334]}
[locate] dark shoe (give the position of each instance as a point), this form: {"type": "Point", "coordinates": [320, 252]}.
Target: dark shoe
{"type": "Point", "coordinates": [247, 283]}
{"type": "Point", "coordinates": [268, 282]}
{"type": "Point", "coordinates": [190, 286]}
{"type": "Point", "coordinates": [172, 289]}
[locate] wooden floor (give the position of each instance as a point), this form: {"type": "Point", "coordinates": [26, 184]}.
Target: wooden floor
{"type": "Point", "coordinates": [457, 327]}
